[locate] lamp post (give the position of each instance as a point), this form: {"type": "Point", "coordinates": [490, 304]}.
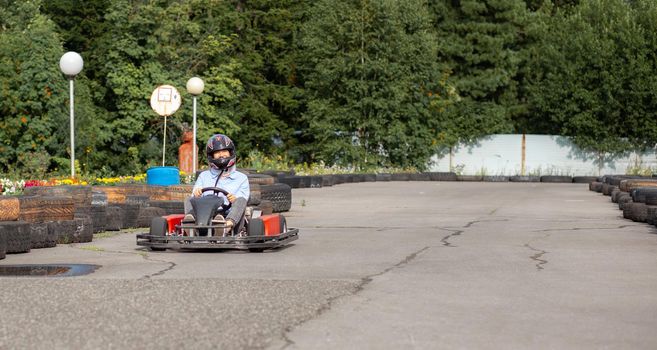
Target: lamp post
{"type": "Point", "coordinates": [71, 64]}
{"type": "Point", "coordinates": [195, 87]}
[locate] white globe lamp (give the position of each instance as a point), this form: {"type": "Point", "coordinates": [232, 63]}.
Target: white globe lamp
{"type": "Point", "coordinates": [195, 87]}
{"type": "Point", "coordinates": [71, 64]}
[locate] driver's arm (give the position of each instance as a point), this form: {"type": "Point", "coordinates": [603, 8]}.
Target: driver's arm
{"type": "Point", "coordinates": [196, 192]}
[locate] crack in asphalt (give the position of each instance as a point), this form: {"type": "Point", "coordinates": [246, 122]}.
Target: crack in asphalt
{"type": "Point", "coordinates": [172, 265]}
{"type": "Point", "coordinates": [585, 228]}
{"type": "Point", "coordinates": [540, 252]}
{"type": "Point", "coordinates": [357, 289]}
{"type": "Point", "coordinates": [537, 257]}
{"type": "Point", "coordinates": [145, 256]}
{"type": "Point", "coordinates": [454, 233]}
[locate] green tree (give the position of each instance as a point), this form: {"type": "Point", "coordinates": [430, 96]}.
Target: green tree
{"type": "Point", "coordinates": [480, 42]}
{"type": "Point", "coordinates": [148, 44]}
{"type": "Point", "coordinates": [371, 76]}
{"type": "Point", "coordinates": [266, 48]}
{"type": "Point", "coordinates": [595, 75]}
{"type": "Point", "coordinates": [34, 124]}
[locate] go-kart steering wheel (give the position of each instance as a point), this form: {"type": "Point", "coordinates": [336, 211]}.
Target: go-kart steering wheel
{"type": "Point", "coordinates": [218, 190]}
{"type": "Point", "coordinates": [215, 190]}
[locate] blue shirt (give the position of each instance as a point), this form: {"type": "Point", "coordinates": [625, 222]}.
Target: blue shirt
{"type": "Point", "coordinates": [236, 183]}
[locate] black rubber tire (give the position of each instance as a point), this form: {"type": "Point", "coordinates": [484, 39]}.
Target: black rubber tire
{"type": "Point", "coordinates": [142, 201]}
{"type": "Point", "coordinates": [65, 230]}
{"type": "Point", "coordinates": [171, 207]}
{"type": "Point", "coordinates": [469, 178]}
{"type": "Point", "coordinates": [99, 217]}
{"type": "Point", "coordinates": [639, 212]}
{"type": "Point", "coordinates": [400, 177]}
{"type": "Point", "coordinates": [383, 177]}
{"type": "Point", "coordinates": [159, 227]}
{"type": "Point", "coordinates": [597, 187]}
{"type": "Point", "coordinates": [496, 178]}
{"type": "Point", "coordinates": [3, 245]}
{"type": "Point", "coordinates": [640, 194]}
{"type": "Point", "coordinates": [256, 227]}
{"type": "Point", "coordinates": [291, 180]}
{"type": "Point", "coordinates": [260, 179]}
{"type": "Point", "coordinates": [17, 235]}
{"type": "Point", "coordinates": [41, 236]}
{"type": "Point", "coordinates": [80, 195]}
{"type": "Point", "coordinates": [442, 176]}
{"type": "Point", "coordinates": [622, 199]}
{"type": "Point", "coordinates": [606, 189]}
{"type": "Point", "coordinates": [45, 208]}
{"type": "Point", "coordinates": [279, 194]}
{"type": "Point", "coordinates": [652, 210]}
{"type": "Point", "coordinates": [9, 208]}
{"type": "Point", "coordinates": [98, 198]}
{"type": "Point", "coordinates": [147, 214]}
{"type": "Point", "coordinates": [628, 212]}
{"type": "Point", "coordinates": [557, 178]}
{"type": "Point", "coordinates": [254, 195]}
{"type": "Point", "coordinates": [614, 195]}
{"type": "Point", "coordinates": [130, 213]}
{"type": "Point", "coordinates": [525, 178]}
{"type": "Point", "coordinates": [84, 231]}
{"type": "Point", "coordinates": [315, 181]}
{"type": "Point", "coordinates": [327, 180]}
{"type": "Point", "coordinates": [586, 180]}
{"type": "Point", "coordinates": [114, 218]}
{"type": "Point", "coordinates": [283, 223]}
{"type": "Point", "coordinates": [419, 177]}
{"type": "Point", "coordinates": [651, 198]}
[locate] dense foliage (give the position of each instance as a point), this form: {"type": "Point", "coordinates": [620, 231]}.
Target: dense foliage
{"type": "Point", "coordinates": [353, 83]}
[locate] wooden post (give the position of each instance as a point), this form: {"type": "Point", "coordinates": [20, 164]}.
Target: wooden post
{"type": "Point", "coordinates": [451, 165]}
{"type": "Point", "coordinates": [522, 159]}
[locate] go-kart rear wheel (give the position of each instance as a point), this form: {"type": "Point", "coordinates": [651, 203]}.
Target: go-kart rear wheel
{"type": "Point", "coordinates": [159, 227]}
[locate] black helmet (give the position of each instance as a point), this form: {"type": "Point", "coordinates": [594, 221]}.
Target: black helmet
{"type": "Point", "coordinates": [220, 142]}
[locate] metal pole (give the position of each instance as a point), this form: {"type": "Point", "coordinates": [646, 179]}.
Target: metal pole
{"type": "Point", "coordinates": [72, 130]}
{"type": "Point", "coordinates": [194, 161]}
{"type": "Point", "coordinates": [164, 140]}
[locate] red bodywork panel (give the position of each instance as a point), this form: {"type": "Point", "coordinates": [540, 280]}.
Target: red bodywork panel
{"type": "Point", "coordinates": [173, 220]}
{"type": "Point", "coordinates": [272, 224]}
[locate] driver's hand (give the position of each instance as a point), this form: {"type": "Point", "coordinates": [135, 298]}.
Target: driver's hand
{"type": "Point", "coordinates": [197, 192]}
{"type": "Point", "coordinates": [231, 197]}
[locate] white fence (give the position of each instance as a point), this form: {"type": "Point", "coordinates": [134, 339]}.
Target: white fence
{"type": "Point", "coordinates": [543, 155]}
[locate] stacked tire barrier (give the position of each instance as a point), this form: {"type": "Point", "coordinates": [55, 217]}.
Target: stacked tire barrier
{"type": "Point", "coordinates": [636, 196]}
{"type": "Point", "coordinates": [45, 216]}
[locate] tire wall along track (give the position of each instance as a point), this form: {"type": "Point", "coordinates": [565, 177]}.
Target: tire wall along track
{"type": "Point", "coordinates": [279, 194]}
{"type": "Point", "coordinates": [17, 234]}
{"type": "Point", "coordinates": [45, 208]}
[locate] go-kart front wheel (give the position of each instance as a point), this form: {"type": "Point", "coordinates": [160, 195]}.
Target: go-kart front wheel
{"type": "Point", "coordinates": [159, 227]}
{"type": "Point", "coordinates": [256, 228]}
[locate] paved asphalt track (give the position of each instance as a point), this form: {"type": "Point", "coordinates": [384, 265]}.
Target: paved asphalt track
{"type": "Point", "coordinates": [397, 265]}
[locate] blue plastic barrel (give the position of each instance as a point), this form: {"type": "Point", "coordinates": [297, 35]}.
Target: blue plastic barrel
{"type": "Point", "coordinates": [163, 176]}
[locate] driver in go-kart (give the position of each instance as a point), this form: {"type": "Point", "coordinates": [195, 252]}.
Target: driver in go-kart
{"type": "Point", "coordinates": [220, 152]}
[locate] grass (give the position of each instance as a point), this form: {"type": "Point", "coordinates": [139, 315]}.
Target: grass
{"type": "Point", "coordinates": [109, 234]}
{"type": "Point", "coordinates": [92, 248]}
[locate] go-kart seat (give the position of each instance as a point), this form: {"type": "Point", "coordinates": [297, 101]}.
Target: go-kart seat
{"type": "Point", "coordinates": [205, 208]}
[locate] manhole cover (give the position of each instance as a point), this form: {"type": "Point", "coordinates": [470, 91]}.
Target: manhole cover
{"type": "Point", "coordinates": [47, 270]}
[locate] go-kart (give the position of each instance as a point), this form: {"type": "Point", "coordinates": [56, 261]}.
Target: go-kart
{"type": "Point", "coordinates": [255, 232]}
